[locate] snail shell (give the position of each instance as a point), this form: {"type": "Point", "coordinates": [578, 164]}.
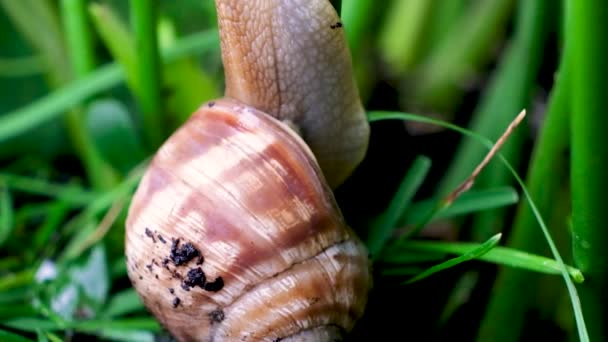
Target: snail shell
{"type": "Point", "coordinates": [234, 235]}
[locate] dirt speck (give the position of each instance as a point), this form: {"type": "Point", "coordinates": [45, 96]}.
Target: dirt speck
{"type": "Point", "coordinates": [215, 286]}
{"type": "Point", "coordinates": [216, 316]}
{"type": "Point", "coordinates": [176, 302]}
{"type": "Point", "coordinates": [195, 277]}
{"type": "Point", "coordinates": [182, 254]}
{"type": "Point", "coordinates": [150, 235]}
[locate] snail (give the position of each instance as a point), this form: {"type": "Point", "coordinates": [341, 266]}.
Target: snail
{"type": "Point", "coordinates": [234, 233]}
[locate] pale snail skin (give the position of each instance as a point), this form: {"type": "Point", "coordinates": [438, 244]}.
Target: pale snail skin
{"type": "Point", "coordinates": [248, 193]}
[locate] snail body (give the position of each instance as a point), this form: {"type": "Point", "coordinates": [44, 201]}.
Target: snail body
{"type": "Point", "coordinates": [234, 233]}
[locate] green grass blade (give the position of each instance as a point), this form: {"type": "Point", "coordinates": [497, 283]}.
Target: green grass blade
{"type": "Point", "coordinates": [81, 50]}
{"type": "Point", "coordinates": [122, 303]}
{"type": "Point", "coordinates": [357, 20]}
{"type": "Point", "coordinates": [127, 335]}
{"type": "Point", "coordinates": [470, 202]}
{"type": "Point", "coordinates": [574, 298]}
{"type": "Point", "coordinates": [499, 255]}
{"type": "Point", "coordinates": [381, 229]}
{"type": "Point", "coordinates": [41, 336]}
{"type": "Point", "coordinates": [549, 157]}
{"type": "Point", "coordinates": [586, 30]}
{"type": "Point", "coordinates": [143, 18]}
{"type": "Point", "coordinates": [79, 36]}
{"type": "Point", "coordinates": [72, 194]}
{"type": "Point", "coordinates": [53, 105]}
{"type": "Point", "coordinates": [55, 215]}
{"type": "Point", "coordinates": [33, 323]}
{"type": "Point", "coordinates": [117, 38]}
{"type": "Point", "coordinates": [404, 30]}
{"type": "Point", "coordinates": [21, 66]}
{"type": "Point", "coordinates": [464, 49]}
{"type": "Point", "coordinates": [471, 254]}
{"type": "Point", "coordinates": [6, 214]}
{"type": "Point", "coordinates": [8, 336]}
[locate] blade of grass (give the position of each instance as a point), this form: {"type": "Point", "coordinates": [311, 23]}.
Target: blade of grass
{"type": "Point", "coordinates": [443, 20]}
{"type": "Point", "coordinates": [71, 194]}
{"type": "Point", "coordinates": [381, 230]}
{"type": "Point", "coordinates": [15, 296]}
{"type": "Point", "coordinates": [55, 215]}
{"type": "Point", "coordinates": [574, 298]}
{"type": "Point", "coordinates": [92, 325]}
{"type": "Point", "coordinates": [499, 255]}
{"type": "Point", "coordinates": [12, 337]}
{"type": "Point", "coordinates": [53, 337]}
{"type": "Point", "coordinates": [187, 83]}
{"type": "Point", "coordinates": [403, 31]}
{"type": "Point", "coordinates": [82, 55]}
{"type": "Point", "coordinates": [586, 29]}
{"type": "Point", "coordinates": [119, 41]}
{"type": "Point", "coordinates": [52, 106]}
{"type": "Point", "coordinates": [357, 17]}
{"type": "Point", "coordinates": [21, 66]}
{"type": "Point", "coordinates": [21, 278]}
{"type": "Point", "coordinates": [470, 202]}
{"type": "Point", "coordinates": [6, 214]}
{"type": "Point", "coordinates": [122, 303]}
{"type": "Point", "coordinates": [548, 158]}
{"type": "Point", "coordinates": [143, 18]}
{"type": "Point", "coordinates": [456, 57]}
{"type": "Point", "coordinates": [9, 311]}
{"type": "Point", "coordinates": [79, 36]}
{"type": "Point", "coordinates": [41, 336]}
{"type": "Point", "coordinates": [471, 254]}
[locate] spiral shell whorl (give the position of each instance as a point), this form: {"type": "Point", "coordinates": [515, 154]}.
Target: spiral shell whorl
{"type": "Point", "coordinates": [246, 194]}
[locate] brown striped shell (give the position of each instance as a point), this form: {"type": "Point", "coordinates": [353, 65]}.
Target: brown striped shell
{"type": "Point", "coordinates": [233, 235]}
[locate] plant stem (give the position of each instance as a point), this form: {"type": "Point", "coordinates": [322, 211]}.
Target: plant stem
{"type": "Point", "coordinates": [513, 292]}
{"type": "Point", "coordinates": [587, 32]}
{"type": "Point", "coordinates": [79, 36]}
{"type": "Point", "coordinates": [143, 17]}
{"type": "Point", "coordinates": [82, 55]}
{"type": "Point", "coordinates": [357, 17]}
{"type": "Point", "coordinates": [403, 33]}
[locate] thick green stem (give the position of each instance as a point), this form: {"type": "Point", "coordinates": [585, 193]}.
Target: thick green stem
{"type": "Point", "coordinates": [143, 17]}
{"type": "Point", "coordinates": [513, 292]}
{"type": "Point", "coordinates": [82, 55]}
{"type": "Point", "coordinates": [79, 36]}
{"type": "Point", "coordinates": [357, 18]}
{"type": "Point", "coordinates": [403, 33]}
{"type": "Point", "coordinates": [587, 32]}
